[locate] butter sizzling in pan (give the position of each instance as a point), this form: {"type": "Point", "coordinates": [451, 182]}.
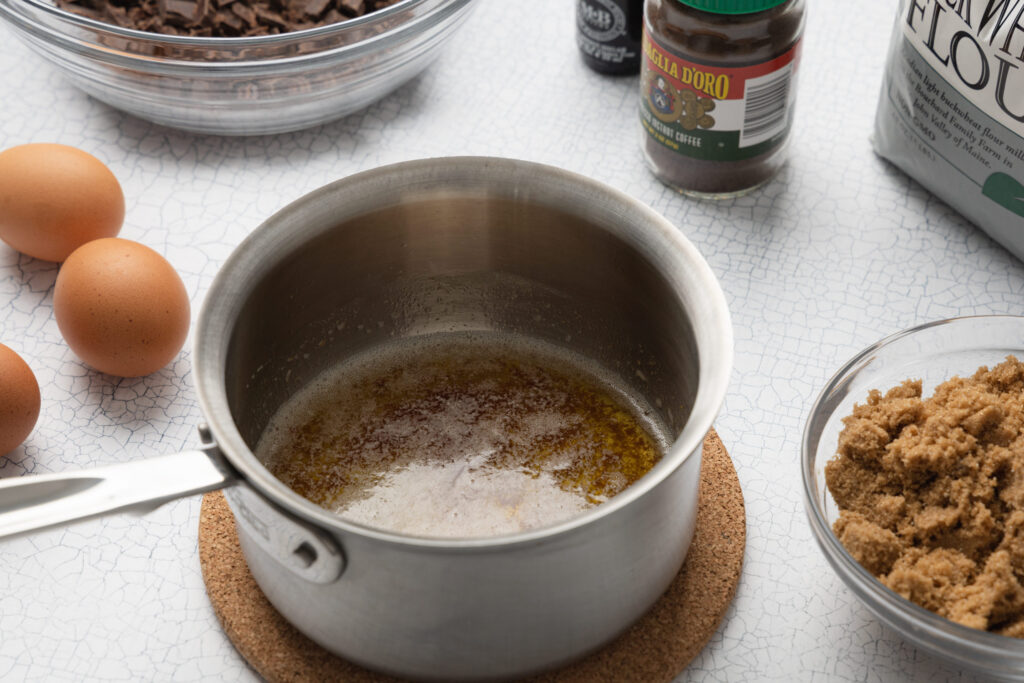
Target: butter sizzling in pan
{"type": "Point", "coordinates": [462, 435]}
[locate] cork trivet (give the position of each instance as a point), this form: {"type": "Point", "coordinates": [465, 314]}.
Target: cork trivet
{"type": "Point", "coordinates": [656, 648]}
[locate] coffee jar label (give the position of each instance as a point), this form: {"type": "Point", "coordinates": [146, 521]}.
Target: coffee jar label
{"type": "Point", "coordinates": [716, 113]}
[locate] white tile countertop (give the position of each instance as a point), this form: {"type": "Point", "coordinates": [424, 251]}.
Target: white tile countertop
{"type": "Point", "coordinates": [838, 251]}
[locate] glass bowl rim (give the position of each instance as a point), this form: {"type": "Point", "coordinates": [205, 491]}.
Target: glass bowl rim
{"type": "Point", "coordinates": [940, 631]}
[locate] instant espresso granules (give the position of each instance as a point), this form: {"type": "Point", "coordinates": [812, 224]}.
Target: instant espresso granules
{"type": "Point", "coordinates": [222, 18]}
{"type": "Point", "coordinates": [717, 91]}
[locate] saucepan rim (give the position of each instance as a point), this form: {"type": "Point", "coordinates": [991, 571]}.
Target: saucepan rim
{"type": "Point", "coordinates": [664, 243]}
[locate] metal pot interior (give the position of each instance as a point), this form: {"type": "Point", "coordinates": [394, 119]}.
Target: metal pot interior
{"type": "Point", "coordinates": [444, 262]}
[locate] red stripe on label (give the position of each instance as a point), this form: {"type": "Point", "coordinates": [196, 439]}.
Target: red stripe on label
{"type": "Point", "coordinates": [720, 83]}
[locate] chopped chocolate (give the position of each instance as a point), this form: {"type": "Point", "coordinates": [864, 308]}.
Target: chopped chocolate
{"type": "Point", "coordinates": [245, 13]}
{"type": "Point", "coordinates": [310, 8]}
{"type": "Point", "coordinates": [119, 16]}
{"type": "Point", "coordinates": [183, 12]}
{"type": "Point", "coordinates": [222, 18]}
{"type": "Point", "coordinates": [269, 17]}
{"type": "Point", "coordinates": [229, 19]}
{"type": "Point", "coordinates": [354, 8]}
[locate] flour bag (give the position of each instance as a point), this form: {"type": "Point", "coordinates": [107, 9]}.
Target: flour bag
{"type": "Point", "coordinates": [951, 112]}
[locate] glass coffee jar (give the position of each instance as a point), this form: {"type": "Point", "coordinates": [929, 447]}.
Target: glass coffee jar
{"type": "Point", "coordinates": [717, 90]}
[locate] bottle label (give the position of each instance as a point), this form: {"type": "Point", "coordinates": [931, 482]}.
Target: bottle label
{"type": "Point", "coordinates": [602, 31]}
{"type": "Point", "coordinates": [712, 112]}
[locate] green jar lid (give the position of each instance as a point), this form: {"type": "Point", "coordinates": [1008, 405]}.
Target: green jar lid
{"type": "Point", "coordinates": [731, 6]}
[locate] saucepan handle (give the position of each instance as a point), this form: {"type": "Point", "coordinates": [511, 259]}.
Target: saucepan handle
{"type": "Point", "coordinates": [34, 503]}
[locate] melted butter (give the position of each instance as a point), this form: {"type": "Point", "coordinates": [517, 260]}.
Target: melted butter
{"type": "Point", "coordinates": [461, 435]}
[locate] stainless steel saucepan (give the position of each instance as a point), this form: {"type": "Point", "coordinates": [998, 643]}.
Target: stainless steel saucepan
{"type": "Point", "coordinates": [428, 246]}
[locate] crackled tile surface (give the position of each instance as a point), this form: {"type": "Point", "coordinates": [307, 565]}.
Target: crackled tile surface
{"type": "Point", "coordinates": [838, 251]}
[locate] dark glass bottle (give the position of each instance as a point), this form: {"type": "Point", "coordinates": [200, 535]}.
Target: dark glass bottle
{"type": "Point", "coordinates": [718, 86]}
{"type": "Point", "coordinates": [608, 34]}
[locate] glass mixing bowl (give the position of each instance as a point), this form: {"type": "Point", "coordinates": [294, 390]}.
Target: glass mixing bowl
{"type": "Point", "coordinates": [934, 353]}
{"type": "Point", "coordinates": [241, 86]}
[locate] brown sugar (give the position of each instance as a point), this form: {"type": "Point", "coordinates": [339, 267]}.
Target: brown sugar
{"type": "Point", "coordinates": [931, 495]}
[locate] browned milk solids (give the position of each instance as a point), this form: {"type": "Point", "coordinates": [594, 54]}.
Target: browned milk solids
{"type": "Point", "coordinates": [461, 436]}
{"type": "Point", "coordinates": [931, 493]}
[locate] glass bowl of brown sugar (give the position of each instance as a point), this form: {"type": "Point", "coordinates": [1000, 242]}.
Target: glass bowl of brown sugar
{"type": "Point", "coordinates": [885, 485]}
{"type": "Point", "coordinates": [240, 85]}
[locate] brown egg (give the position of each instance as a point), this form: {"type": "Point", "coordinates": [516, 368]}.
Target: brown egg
{"type": "Point", "coordinates": [121, 307]}
{"type": "Point", "coordinates": [19, 400]}
{"type": "Point", "coordinates": [55, 198]}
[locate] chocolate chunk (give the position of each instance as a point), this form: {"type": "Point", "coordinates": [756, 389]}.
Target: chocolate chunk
{"type": "Point", "coordinates": [269, 17]}
{"type": "Point", "coordinates": [244, 12]}
{"type": "Point", "coordinates": [228, 23]}
{"type": "Point", "coordinates": [183, 12]}
{"type": "Point", "coordinates": [312, 8]}
{"type": "Point", "coordinates": [353, 8]}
